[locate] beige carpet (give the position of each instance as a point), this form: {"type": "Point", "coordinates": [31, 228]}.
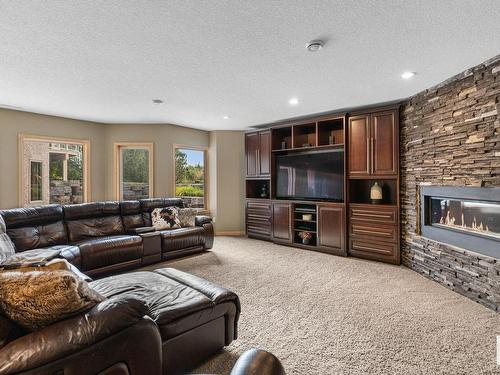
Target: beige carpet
{"type": "Point", "coordinates": [323, 314]}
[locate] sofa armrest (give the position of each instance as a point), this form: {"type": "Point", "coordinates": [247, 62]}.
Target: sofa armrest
{"type": "Point", "coordinates": [140, 230]}
{"type": "Point", "coordinates": [202, 219]}
{"type": "Point", "coordinates": [258, 362]}
{"type": "Point", "coordinates": [71, 335]}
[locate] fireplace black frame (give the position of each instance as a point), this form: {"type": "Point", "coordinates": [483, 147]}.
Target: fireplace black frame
{"type": "Point", "coordinates": [477, 244]}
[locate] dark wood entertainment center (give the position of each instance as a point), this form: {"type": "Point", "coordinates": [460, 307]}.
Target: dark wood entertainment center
{"type": "Point", "coordinates": [354, 226]}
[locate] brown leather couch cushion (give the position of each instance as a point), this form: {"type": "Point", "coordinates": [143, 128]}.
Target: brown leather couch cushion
{"type": "Point", "coordinates": [31, 228]}
{"type": "Point", "coordinates": [105, 251]}
{"type": "Point", "coordinates": [71, 335]}
{"type": "Point", "coordinates": [131, 215]}
{"type": "Point", "coordinates": [176, 239]}
{"type": "Point", "coordinates": [9, 331]}
{"type": "Point", "coordinates": [174, 305]}
{"type": "Point", "coordinates": [90, 220]}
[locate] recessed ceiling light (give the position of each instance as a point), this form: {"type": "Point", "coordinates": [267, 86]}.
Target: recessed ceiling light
{"type": "Point", "coordinates": [407, 75]}
{"type": "Point", "coordinates": [226, 117]}
{"type": "Point", "coordinates": [293, 101]}
{"type": "Point", "coordinates": [157, 101]}
{"type": "Point", "coordinates": [315, 45]}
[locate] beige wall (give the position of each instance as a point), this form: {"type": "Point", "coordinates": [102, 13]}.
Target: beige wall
{"type": "Point", "coordinates": [164, 137]}
{"type": "Point", "coordinates": [225, 158]}
{"type": "Point", "coordinates": [14, 122]}
{"type": "Point", "coordinates": [227, 148]}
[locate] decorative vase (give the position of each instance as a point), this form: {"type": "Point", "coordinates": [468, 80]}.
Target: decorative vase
{"type": "Point", "coordinates": [263, 191]}
{"type": "Point", "coordinates": [283, 145]}
{"type": "Point", "coordinates": [376, 193]}
{"type": "Point", "coordinates": [305, 241]}
{"type": "Point", "coordinates": [331, 139]}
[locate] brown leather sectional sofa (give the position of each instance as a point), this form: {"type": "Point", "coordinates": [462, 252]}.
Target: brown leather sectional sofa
{"type": "Point", "coordinates": [103, 238]}
{"type": "Point", "coordinates": [151, 322]}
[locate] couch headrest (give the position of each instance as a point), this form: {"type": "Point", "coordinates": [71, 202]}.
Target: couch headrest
{"type": "Point", "coordinates": [130, 208]}
{"type": "Point", "coordinates": [32, 216]}
{"type": "Point", "coordinates": [91, 210]}
{"type": "Point", "coordinates": [148, 205]}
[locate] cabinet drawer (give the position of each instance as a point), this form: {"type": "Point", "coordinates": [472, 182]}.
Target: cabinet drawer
{"type": "Point", "coordinates": [368, 231]}
{"type": "Point", "coordinates": [385, 215]}
{"type": "Point", "coordinates": [260, 231]}
{"type": "Point", "coordinates": [256, 214]}
{"type": "Point", "coordinates": [373, 249]}
{"type": "Point", "coordinates": [258, 221]}
{"type": "Point", "coordinates": [258, 209]}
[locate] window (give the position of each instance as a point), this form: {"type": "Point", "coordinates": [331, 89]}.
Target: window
{"type": "Point", "coordinates": [36, 181]}
{"type": "Point", "coordinates": [190, 176]}
{"type": "Point", "coordinates": [52, 170]}
{"type": "Point", "coordinates": [133, 171]}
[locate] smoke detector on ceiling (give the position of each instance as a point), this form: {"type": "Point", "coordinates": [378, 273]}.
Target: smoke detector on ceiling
{"type": "Point", "coordinates": [315, 45]}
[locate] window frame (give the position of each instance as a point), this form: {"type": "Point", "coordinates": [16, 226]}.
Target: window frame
{"type": "Point", "coordinates": [23, 138]}
{"type": "Point", "coordinates": [37, 201]}
{"type": "Point", "coordinates": [205, 172]}
{"type": "Point", "coordinates": [117, 165]}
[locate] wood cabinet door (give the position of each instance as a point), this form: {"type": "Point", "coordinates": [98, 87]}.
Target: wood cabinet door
{"type": "Point", "coordinates": [331, 228]}
{"type": "Point", "coordinates": [282, 222]}
{"type": "Point", "coordinates": [265, 153]}
{"type": "Point", "coordinates": [384, 143]}
{"type": "Point", "coordinates": [251, 152]}
{"type": "Point", "coordinates": [359, 146]}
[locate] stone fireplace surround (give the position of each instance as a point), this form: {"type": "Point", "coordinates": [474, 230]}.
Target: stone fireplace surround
{"type": "Point", "coordinates": [450, 136]}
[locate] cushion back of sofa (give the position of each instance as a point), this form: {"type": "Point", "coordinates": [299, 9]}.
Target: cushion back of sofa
{"type": "Point", "coordinates": [9, 331]}
{"type": "Point", "coordinates": [35, 227]}
{"type": "Point", "coordinates": [90, 220]}
{"type": "Point", "coordinates": [148, 205]}
{"type": "Point", "coordinates": [131, 214]}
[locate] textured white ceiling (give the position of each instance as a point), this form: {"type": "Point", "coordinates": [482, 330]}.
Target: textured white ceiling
{"type": "Point", "coordinates": [106, 60]}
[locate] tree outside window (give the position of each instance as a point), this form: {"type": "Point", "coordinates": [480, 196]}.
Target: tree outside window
{"type": "Point", "coordinates": [133, 175]}
{"type": "Point", "coordinates": [190, 176]}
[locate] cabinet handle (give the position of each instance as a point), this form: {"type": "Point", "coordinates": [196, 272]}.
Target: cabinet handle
{"type": "Point", "coordinates": [372, 215]}
{"type": "Point", "coordinates": [372, 147]}
{"type": "Point", "coordinates": [374, 232]}
{"type": "Point", "coordinates": [368, 159]}
{"type": "Point", "coordinates": [257, 162]}
{"type": "Point", "coordinates": [373, 249]}
{"type": "Point", "coordinates": [258, 154]}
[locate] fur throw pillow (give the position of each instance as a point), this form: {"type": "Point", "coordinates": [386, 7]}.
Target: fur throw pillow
{"type": "Point", "coordinates": [7, 248]}
{"type": "Point", "coordinates": [187, 216]}
{"type": "Point", "coordinates": [165, 218]}
{"type": "Point", "coordinates": [35, 297]}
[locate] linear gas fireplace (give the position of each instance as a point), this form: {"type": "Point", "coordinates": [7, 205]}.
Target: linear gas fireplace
{"type": "Point", "coordinates": [467, 217]}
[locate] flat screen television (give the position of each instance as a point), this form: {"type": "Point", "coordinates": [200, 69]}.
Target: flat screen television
{"type": "Point", "coordinates": [311, 176]}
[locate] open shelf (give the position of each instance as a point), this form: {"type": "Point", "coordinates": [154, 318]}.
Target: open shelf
{"type": "Point", "coordinates": [282, 137]}
{"type": "Point", "coordinates": [254, 188]}
{"type": "Point", "coordinates": [304, 229]}
{"type": "Point", "coordinates": [301, 225]}
{"type": "Point", "coordinates": [304, 136]}
{"type": "Point", "coordinates": [331, 132]}
{"type": "Point", "coordinates": [359, 190]}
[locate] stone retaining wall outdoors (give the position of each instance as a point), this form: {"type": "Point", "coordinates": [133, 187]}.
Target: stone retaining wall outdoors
{"type": "Point", "coordinates": [135, 190]}
{"type": "Point", "coordinates": [66, 192]}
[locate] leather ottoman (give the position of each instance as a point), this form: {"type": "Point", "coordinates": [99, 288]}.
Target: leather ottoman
{"type": "Point", "coordinates": [196, 318]}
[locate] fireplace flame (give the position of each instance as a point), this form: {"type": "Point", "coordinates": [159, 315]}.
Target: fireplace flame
{"type": "Point", "coordinates": [449, 220]}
